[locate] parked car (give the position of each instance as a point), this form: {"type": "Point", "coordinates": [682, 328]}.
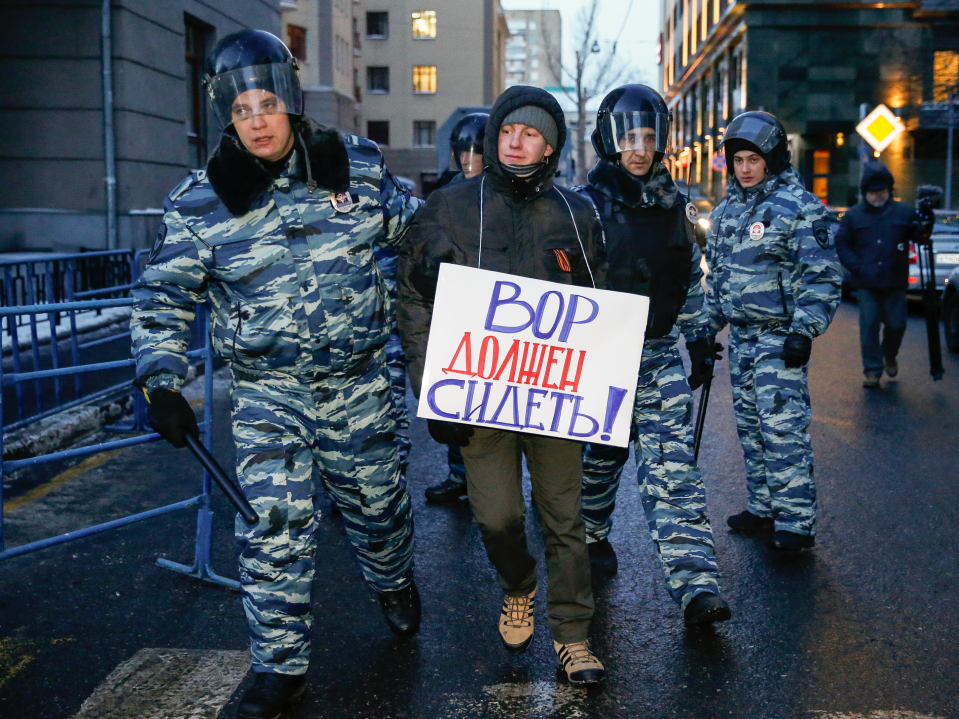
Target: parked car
{"type": "Point", "coordinates": [950, 310]}
{"type": "Point", "coordinates": [945, 246]}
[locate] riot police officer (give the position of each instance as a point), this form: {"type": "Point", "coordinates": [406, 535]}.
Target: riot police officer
{"type": "Point", "coordinates": [652, 250]}
{"type": "Point", "coordinates": [775, 280]}
{"type": "Point", "coordinates": [466, 153]}
{"type": "Point", "coordinates": [279, 231]}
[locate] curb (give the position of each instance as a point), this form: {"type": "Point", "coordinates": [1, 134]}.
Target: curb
{"type": "Point", "coordinates": [61, 430]}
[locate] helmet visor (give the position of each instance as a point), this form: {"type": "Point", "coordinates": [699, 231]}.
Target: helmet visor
{"type": "Point", "coordinates": [762, 134]}
{"type": "Point", "coordinates": [240, 95]}
{"type": "Point", "coordinates": [635, 131]}
{"type": "Point", "coordinates": [468, 158]}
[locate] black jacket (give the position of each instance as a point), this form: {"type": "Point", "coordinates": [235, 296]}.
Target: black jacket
{"type": "Point", "coordinates": [528, 230]}
{"type": "Point", "coordinates": [873, 244]}
{"type": "Point", "coordinates": [649, 241]}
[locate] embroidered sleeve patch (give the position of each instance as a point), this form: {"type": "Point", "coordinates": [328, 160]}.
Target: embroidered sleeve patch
{"type": "Point", "coordinates": [821, 232]}
{"type": "Point", "coordinates": [562, 259]}
{"type": "Point", "coordinates": [157, 244]}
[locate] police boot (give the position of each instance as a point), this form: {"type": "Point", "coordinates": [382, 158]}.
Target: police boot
{"type": "Point", "coordinates": [577, 664]}
{"type": "Point", "coordinates": [746, 521]}
{"type": "Point", "coordinates": [791, 541]}
{"type": "Point", "coordinates": [402, 610]}
{"type": "Point", "coordinates": [706, 608]}
{"type": "Point", "coordinates": [602, 558]}
{"type": "Point", "coordinates": [270, 694]}
{"type": "Point", "coordinates": [449, 490]}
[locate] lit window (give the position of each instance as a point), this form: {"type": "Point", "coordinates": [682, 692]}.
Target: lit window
{"type": "Point", "coordinates": [424, 24]}
{"type": "Point", "coordinates": [424, 133]}
{"type": "Point", "coordinates": [945, 75]}
{"type": "Point", "coordinates": [424, 79]}
{"type": "Point", "coordinates": [820, 169]}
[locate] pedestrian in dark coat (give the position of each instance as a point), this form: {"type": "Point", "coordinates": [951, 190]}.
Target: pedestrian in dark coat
{"type": "Point", "coordinates": [873, 244]}
{"type": "Point", "coordinates": [513, 219]}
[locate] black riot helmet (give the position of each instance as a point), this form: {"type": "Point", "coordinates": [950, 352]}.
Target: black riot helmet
{"type": "Point", "coordinates": [251, 72]}
{"type": "Point", "coordinates": [761, 133]}
{"type": "Point", "coordinates": [467, 139]}
{"type": "Point", "coordinates": [632, 117]}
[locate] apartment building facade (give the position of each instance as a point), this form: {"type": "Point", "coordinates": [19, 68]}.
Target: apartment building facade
{"type": "Point", "coordinates": [417, 63]}
{"type": "Point", "coordinates": [813, 64]}
{"type": "Point", "coordinates": [320, 34]}
{"type": "Point", "coordinates": [89, 169]}
{"type": "Point", "coordinates": [534, 48]}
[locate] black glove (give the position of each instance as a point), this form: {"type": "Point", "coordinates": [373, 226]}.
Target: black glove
{"type": "Point", "coordinates": [796, 350]}
{"type": "Point", "coordinates": [703, 354]}
{"type": "Point", "coordinates": [450, 432]}
{"type": "Point", "coordinates": [172, 417]}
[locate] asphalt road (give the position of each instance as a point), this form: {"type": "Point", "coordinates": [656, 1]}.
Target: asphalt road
{"type": "Point", "coordinates": [862, 626]}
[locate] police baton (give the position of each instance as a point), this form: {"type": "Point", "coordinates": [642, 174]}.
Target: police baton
{"type": "Point", "coordinates": [701, 413]}
{"type": "Point", "coordinates": [231, 491]}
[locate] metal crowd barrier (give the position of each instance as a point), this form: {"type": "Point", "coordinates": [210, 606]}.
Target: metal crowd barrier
{"type": "Point", "coordinates": [200, 569]}
{"type": "Point", "coordinates": [54, 280]}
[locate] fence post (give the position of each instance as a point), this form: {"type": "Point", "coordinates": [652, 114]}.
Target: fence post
{"type": "Point", "coordinates": [201, 568]}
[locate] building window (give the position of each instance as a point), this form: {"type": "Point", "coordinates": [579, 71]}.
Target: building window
{"type": "Point", "coordinates": [945, 75]}
{"type": "Point", "coordinates": [820, 171]}
{"type": "Point", "coordinates": [424, 79]}
{"type": "Point", "coordinates": [424, 24]}
{"type": "Point", "coordinates": [377, 80]}
{"type": "Point", "coordinates": [377, 25]}
{"type": "Point", "coordinates": [424, 133]}
{"type": "Point", "coordinates": [296, 39]}
{"type": "Point", "coordinates": [379, 132]}
{"type": "Point", "coordinates": [197, 36]}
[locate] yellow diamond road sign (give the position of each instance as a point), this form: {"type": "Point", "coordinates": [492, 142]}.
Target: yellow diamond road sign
{"type": "Point", "coordinates": [880, 128]}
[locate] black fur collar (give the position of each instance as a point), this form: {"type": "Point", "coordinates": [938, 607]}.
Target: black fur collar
{"type": "Point", "coordinates": [238, 178]}
{"type": "Point", "coordinates": [615, 182]}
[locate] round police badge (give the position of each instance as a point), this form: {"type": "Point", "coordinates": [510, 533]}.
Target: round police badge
{"type": "Point", "coordinates": [756, 231]}
{"type": "Point", "coordinates": [692, 212]}
{"type": "Point", "coordinates": [341, 201]}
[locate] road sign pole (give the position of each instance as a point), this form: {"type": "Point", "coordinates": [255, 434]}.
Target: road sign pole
{"type": "Point", "coordinates": [863, 111]}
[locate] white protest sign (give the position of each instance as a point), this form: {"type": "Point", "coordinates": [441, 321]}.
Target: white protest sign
{"type": "Point", "coordinates": [526, 355]}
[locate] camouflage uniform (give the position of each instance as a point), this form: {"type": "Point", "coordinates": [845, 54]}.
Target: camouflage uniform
{"type": "Point", "coordinates": [302, 314]}
{"type": "Point", "coordinates": [671, 486]}
{"type": "Point", "coordinates": [788, 280]}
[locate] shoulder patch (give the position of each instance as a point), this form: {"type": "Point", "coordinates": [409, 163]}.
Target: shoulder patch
{"type": "Point", "coordinates": [820, 230]}
{"type": "Point", "coordinates": [157, 243]}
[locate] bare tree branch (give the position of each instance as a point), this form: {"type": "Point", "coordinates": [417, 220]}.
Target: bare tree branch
{"type": "Point", "coordinates": [592, 74]}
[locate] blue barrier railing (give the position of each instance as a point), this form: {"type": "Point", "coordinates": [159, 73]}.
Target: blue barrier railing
{"type": "Point", "coordinates": [201, 568]}
{"type": "Point", "coordinates": [61, 275]}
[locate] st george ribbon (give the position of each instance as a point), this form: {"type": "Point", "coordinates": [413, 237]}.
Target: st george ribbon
{"type": "Point", "coordinates": [527, 355]}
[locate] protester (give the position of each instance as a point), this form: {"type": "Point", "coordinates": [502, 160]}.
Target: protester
{"type": "Point", "coordinates": [466, 154]}
{"type": "Point", "coordinates": [279, 232]}
{"type": "Point", "coordinates": [873, 244]}
{"type": "Point", "coordinates": [513, 219]}
{"type": "Point", "coordinates": [651, 247]}
{"type": "Point", "coordinates": [775, 280]}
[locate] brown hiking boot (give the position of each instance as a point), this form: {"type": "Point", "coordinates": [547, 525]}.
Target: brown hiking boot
{"type": "Point", "coordinates": [578, 664]}
{"type": "Point", "coordinates": [516, 622]}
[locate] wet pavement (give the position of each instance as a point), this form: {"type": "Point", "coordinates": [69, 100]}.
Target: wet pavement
{"type": "Point", "coordinates": [862, 626]}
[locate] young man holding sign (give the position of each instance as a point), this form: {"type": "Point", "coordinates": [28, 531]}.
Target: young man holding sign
{"type": "Point", "coordinates": [652, 251]}
{"type": "Point", "coordinates": [513, 219]}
